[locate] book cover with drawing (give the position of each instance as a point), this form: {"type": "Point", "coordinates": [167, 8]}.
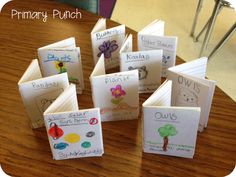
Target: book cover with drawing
{"type": "Point", "coordinates": [148, 63]}
{"type": "Point", "coordinates": [60, 57]}
{"type": "Point", "coordinates": [73, 133]}
{"type": "Point", "coordinates": [152, 37]}
{"type": "Point", "coordinates": [38, 93]}
{"type": "Point", "coordinates": [190, 88]}
{"type": "Point", "coordinates": [169, 130]}
{"type": "Point", "coordinates": [115, 94]}
{"type": "Point", "coordinates": [107, 42]}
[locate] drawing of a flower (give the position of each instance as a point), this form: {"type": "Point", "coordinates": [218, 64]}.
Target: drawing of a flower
{"type": "Point", "coordinates": [117, 91]}
{"type": "Point", "coordinates": [107, 48]}
{"type": "Point", "coordinates": [60, 66]}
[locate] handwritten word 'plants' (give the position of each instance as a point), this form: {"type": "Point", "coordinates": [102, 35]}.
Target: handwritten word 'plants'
{"type": "Point", "coordinates": [60, 66]}
{"type": "Point", "coordinates": [118, 93]}
{"type": "Point", "coordinates": [166, 131]}
{"type": "Point", "coordinates": [107, 48]}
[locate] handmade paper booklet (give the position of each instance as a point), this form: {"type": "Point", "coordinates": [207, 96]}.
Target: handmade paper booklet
{"type": "Point", "coordinates": [190, 88]}
{"type": "Point", "coordinates": [73, 133]}
{"type": "Point", "coordinates": [107, 42]}
{"type": "Point", "coordinates": [60, 57]}
{"type": "Point", "coordinates": [169, 130]}
{"type": "Point", "coordinates": [152, 37]}
{"type": "Point", "coordinates": [148, 63]}
{"type": "Point", "coordinates": [115, 94]}
{"type": "Point", "coordinates": [38, 93]}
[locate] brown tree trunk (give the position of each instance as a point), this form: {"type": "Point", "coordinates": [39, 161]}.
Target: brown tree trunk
{"type": "Point", "coordinates": [165, 143]}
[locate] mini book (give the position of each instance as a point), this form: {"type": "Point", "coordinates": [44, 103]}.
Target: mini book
{"type": "Point", "coordinates": [152, 37]}
{"type": "Point", "coordinates": [115, 94]}
{"type": "Point", "coordinates": [107, 42]}
{"type": "Point", "coordinates": [38, 93]}
{"type": "Point", "coordinates": [148, 63]}
{"type": "Point", "coordinates": [169, 130]}
{"type": "Point", "coordinates": [190, 88]}
{"type": "Point", "coordinates": [73, 133]}
{"type": "Point", "coordinates": [60, 57]}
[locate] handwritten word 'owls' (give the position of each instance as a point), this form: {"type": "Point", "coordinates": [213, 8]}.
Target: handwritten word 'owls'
{"type": "Point", "coordinates": [190, 84]}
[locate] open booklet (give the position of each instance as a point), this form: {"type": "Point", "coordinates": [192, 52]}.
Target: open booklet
{"type": "Point", "coordinates": [148, 63]}
{"type": "Point", "coordinates": [73, 133]}
{"type": "Point", "coordinates": [190, 88]}
{"type": "Point", "coordinates": [107, 42]}
{"type": "Point", "coordinates": [152, 37]}
{"type": "Point", "coordinates": [115, 94]}
{"type": "Point", "coordinates": [38, 93]}
{"type": "Point", "coordinates": [169, 130]}
{"type": "Point", "coordinates": [60, 57]}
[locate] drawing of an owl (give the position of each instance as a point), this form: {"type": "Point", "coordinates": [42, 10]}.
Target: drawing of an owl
{"type": "Point", "coordinates": [186, 97]}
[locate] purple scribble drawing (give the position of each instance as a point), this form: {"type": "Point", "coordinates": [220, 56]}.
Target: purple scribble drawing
{"type": "Point", "coordinates": [107, 48]}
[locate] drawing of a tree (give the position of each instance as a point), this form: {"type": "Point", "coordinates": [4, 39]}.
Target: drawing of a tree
{"type": "Point", "coordinates": [166, 131]}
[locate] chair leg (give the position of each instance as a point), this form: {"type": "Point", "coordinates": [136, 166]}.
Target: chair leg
{"type": "Point", "coordinates": [199, 7]}
{"type": "Point", "coordinates": [223, 41]}
{"type": "Point", "coordinates": [210, 26]}
{"type": "Point", "coordinates": [205, 26]}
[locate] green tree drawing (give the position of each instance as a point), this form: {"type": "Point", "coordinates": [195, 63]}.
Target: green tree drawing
{"type": "Point", "coordinates": [166, 131]}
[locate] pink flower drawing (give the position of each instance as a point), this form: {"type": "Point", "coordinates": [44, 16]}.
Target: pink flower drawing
{"type": "Point", "coordinates": [117, 91]}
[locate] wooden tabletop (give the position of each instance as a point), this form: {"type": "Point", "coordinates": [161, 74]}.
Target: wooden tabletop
{"type": "Point", "coordinates": [26, 152]}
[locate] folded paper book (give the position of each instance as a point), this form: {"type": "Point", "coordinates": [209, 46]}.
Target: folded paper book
{"type": "Point", "coordinates": [169, 130]}
{"type": "Point", "coordinates": [115, 94]}
{"type": "Point", "coordinates": [152, 37]}
{"type": "Point", "coordinates": [107, 42]}
{"type": "Point", "coordinates": [148, 63]}
{"type": "Point", "coordinates": [38, 93]}
{"type": "Point", "coordinates": [60, 57]}
{"type": "Point", "coordinates": [73, 133]}
{"type": "Point", "coordinates": [190, 88]}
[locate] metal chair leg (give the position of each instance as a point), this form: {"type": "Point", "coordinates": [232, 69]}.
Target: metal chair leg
{"type": "Point", "coordinates": [199, 7]}
{"type": "Point", "coordinates": [206, 25]}
{"type": "Point", "coordinates": [223, 41]}
{"type": "Point", "coordinates": [210, 26]}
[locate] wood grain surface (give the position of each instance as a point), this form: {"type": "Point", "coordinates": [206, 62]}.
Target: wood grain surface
{"type": "Point", "coordinates": [26, 152]}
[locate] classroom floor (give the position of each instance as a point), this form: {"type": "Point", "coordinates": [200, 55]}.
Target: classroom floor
{"type": "Point", "coordinates": [178, 16]}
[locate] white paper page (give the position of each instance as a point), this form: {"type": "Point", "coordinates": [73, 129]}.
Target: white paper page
{"type": "Point", "coordinates": [149, 66]}
{"type": "Point", "coordinates": [66, 101]}
{"type": "Point", "coordinates": [108, 42]}
{"type": "Point", "coordinates": [117, 95]}
{"type": "Point", "coordinates": [167, 43]}
{"type": "Point", "coordinates": [38, 94]}
{"type": "Point", "coordinates": [70, 42]}
{"type": "Point", "coordinates": [211, 85]}
{"type": "Point", "coordinates": [99, 26]}
{"type": "Point", "coordinates": [192, 93]}
{"type": "Point", "coordinates": [58, 60]}
{"type": "Point", "coordinates": [157, 27]}
{"type": "Point", "coordinates": [170, 130]}
{"type": "Point", "coordinates": [195, 68]}
{"type": "Point", "coordinates": [161, 97]}
{"type": "Point", "coordinates": [31, 73]}
{"type": "Point", "coordinates": [99, 68]}
{"type": "Point", "coordinates": [127, 45]}
{"type": "Point", "coordinates": [75, 134]}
